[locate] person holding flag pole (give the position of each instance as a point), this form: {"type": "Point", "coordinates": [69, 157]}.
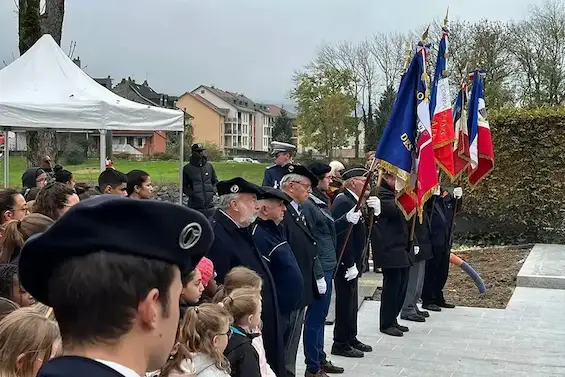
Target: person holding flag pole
{"type": "Point", "coordinates": [406, 154]}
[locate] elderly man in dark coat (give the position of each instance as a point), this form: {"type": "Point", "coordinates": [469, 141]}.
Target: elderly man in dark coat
{"type": "Point", "coordinates": [391, 248]}
{"type": "Point", "coordinates": [233, 246]}
{"type": "Point", "coordinates": [346, 279]}
{"type": "Point", "coordinates": [297, 184]}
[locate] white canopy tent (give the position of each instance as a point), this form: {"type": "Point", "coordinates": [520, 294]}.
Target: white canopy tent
{"type": "Point", "coordinates": [44, 88]}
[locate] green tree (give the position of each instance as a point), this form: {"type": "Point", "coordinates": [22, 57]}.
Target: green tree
{"type": "Point", "coordinates": [373, 134]}
{"type": "Point", "coordinates": [282, 129]}
{"type": "Point", "coordinates": [325, 102]}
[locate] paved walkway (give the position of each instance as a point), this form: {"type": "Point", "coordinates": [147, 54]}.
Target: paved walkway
{"type": "Point", "coordinates": [525, 339]}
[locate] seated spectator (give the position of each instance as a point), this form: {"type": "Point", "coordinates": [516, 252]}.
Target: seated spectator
{"type": "Point", "coordinates": [16, 232]}
{"type": "Point", "coordinates": [10, 287]}
{"type": "Point", "coordinates": [12, 206]}
{"type": "Point", "coordinates": [139, 185]}
{"type": "Point", "coordinates": [111, 181]}
{"type": "Point", "coordinates": [64, 176]}
{"type": "Point", "coordinates": [27, 341]}
{"type": "Point", "coordinates": [6, 307]}
{"type": "Point", "coordinates": [33, 177]}
{"type": "Point", "coordinates": [54, 200]}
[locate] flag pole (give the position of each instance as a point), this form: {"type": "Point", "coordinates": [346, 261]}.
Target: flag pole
{"type": "Point", "coordinates": [357, 207]}
{"type": "Point", "coordinates": [372, 217]}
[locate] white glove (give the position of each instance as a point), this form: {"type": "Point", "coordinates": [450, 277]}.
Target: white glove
{"type": "Point", "coordinates": [322, 286]}
{"type": "Point", "coordinates": [416, 250]}
{"type": "Point", "coordinates": [438, 191]}
{"type": "Point", "coordinates": [374, 203]}
{"type": "Point", "coordinates": [457, 192]}
{"type": "Point", "coordinates": [351, 273]}
{"type": "Point", "coordinates": [352, 216]}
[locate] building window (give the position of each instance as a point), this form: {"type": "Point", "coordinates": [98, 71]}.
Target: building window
{"type": "Point", "coordinates": [129, 140]}
{"type": "Point", "coordinates": [139, 142]}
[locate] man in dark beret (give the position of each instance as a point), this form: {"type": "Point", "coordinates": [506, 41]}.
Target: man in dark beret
{"type": "Point", "coordinates": [233, 246]}
{"type": "Point", "coordinates": [297, 183]}
{"type": "Point", "coordinates": [111, 270]}
{"type": "Point", "coordinates": [346, 278]}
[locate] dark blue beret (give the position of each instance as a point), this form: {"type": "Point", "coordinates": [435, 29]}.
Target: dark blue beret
{"type": "Point", "coordinates": [303, 171]}
{"type": "Point", "coordinates": [269, 192]}
{"type": "Point", "coordinates": [358, 171]}
{"type": "Point", "coordinates": [237, 185]}
{"type": "Point", "coordinates": [319, 168]}
{"type": "Point", "coordinates": [151, 229]}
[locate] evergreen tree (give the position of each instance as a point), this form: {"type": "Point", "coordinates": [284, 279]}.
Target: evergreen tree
{"type": "Point", "coordinates": [282, 129]}
{"type": "Point", "coordinates": [382, 114]}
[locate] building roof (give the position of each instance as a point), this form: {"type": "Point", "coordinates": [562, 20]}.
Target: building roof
{"type": "Point", "coordinates": [204, 101]}
{"type": "Point", "coordinates": [276, 111]}
{"type": "Point", "coordinates": [237, 100]}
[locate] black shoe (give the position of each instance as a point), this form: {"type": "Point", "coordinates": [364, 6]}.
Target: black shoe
{"type": "Point", "coordinates": [328, 367]}
{"type": "Point", "coordinates": [413, 318]}
{"type": "Point", "coordinates": [346, 351]}
{"type": "Point", "coordinates": [446, 305]}
{"type": "Point", "coordinates": [361, 346]}
{"type": "Point", "coordinates": [402, 328]}
{"type": "Point", "coordinates": [392, 331]}
{"type": "Point", "coordinates": [431, 307]}
{"type": "Point", "coordinates": [423, 313]}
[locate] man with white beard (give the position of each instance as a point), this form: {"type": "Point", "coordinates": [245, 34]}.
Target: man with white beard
{"type": "Point", "coordinates": [233, 246]}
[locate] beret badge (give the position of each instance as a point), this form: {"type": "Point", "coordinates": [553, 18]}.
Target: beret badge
{"type": "Point", "coordinates": [190, 235]}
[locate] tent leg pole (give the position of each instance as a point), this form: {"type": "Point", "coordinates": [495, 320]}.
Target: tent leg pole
{"type": "Point", "coordinates": [6, 158]}
{"type": "Point", "coordinates": [181, 164]}
{"type": "Point", "coordinates": [102, 150]}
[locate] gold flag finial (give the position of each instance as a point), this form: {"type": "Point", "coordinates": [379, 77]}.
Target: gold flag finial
{"type": "Point", "coordinates": [446, 19]}
{"type": "Point", "coordinates": [425, 35]}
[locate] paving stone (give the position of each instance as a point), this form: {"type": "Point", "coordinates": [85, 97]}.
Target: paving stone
{"type": "Point", "coordinates": [544, 268]}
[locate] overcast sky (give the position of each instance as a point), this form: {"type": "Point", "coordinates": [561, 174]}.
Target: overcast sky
{"type": "Point", "coordinates": [248, 46]}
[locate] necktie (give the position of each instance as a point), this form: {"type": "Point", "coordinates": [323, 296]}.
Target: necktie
{"type": "Point", "coordinates": [301, 214]}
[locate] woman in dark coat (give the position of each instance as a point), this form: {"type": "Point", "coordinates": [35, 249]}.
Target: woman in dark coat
{"type": "Point", "coordinates": [391, 248]}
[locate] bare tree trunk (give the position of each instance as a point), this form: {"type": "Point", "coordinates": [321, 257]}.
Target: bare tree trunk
{"type": "Point", "coordinates": [32, 25]}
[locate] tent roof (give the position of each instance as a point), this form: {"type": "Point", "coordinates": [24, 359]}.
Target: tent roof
{"type": "Point", "coordinates": [44, 88]}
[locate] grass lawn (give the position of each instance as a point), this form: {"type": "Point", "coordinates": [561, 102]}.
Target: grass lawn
{"type": "Point", "coordinates": [162, 172]}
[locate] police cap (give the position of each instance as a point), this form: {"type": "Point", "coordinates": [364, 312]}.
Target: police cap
{"type": "Point", "coordinates": [145, 228]}
{"type": "Point", "coordinates": [280, 147]}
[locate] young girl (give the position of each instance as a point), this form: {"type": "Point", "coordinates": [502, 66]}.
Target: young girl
{"type": "Point", "coordinates": [16, 232]}
{"type": "Point", "coordinates": [27, 341]}
{"type": "Point", "coordinates": [244, 304]}
{"type": "Point", "coordinates": [192, 289]}
{"type": "Point", "coordinates": [11, 288]}
{"type": "Point", "coordinates": [202, 339]}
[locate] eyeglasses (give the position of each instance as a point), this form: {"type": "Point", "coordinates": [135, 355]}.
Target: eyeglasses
{"type": "Point", "coordinates": [228, 334]}
{"type": "Point", "coordinates": [307, 186]}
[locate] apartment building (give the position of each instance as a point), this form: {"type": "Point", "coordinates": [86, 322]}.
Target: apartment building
{"type": "Point", "coordinates": [208, 121]}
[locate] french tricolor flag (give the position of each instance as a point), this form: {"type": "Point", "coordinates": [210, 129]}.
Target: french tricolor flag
{"type": "Point", "coordinates": [481, 151]}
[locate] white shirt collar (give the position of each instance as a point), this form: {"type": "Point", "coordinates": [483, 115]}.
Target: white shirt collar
{"type": "Point", "coordinates": [124, 371]}
{"type": "Point", "coordinates": [295, 206]}
{"type": "Point", "coordinates": [354, 194]}
{"type": "Point", "coordinates": [229, 217]}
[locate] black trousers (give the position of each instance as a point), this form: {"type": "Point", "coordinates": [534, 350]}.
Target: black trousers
{"type": "Point", "coordinates": [395, 282]}
{"type": "Point", "coordinates": [345, 326]}
{"type": "Point", "coordinates": [437, 271]}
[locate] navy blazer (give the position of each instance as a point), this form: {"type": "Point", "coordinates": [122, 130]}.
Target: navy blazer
{"type": "Point", "coordinates": [76, 366]}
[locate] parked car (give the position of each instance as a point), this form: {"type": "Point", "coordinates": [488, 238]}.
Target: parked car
{"type": "Point", "coordinates": [245, 159]}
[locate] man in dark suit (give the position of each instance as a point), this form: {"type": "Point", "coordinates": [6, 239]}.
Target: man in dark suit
{"type": "Point", "coordinates": [346, 279]}
{"type": "Point", "coordinates": [297, 184]}
{"type": "Point", "coordinates": [109, 329]}
{"type": "Point", "coordinates": [233, 246]}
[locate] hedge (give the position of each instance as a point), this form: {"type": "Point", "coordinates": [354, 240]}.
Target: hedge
{"type": "Point", "coordinates": [523, 198]}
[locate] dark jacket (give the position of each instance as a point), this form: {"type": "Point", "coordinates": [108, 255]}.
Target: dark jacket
{"type": "Point", "coordinates": [76, 366]}
{"type": "Point", "coordinates": [234, 247]}
{"type": "Point", "coordinates": [199, 183]}
{"type": "Point", "coordinates": [29, 183]}
{"type": "Point", "coordinates": [243, 357]}
{"type": "Point", "coordinates": [391, 233]}
{"type": "Point", "coordinates": [273, 176]}
{"type": "Point", "coordinates": [353, 252]}
{"type": "Point", "coordinates": [443, 208]}
{"type": "Point", "coordinates": [423, 238]}
{"type": "Point", "coordinates": [324, 228]}
{"type": "Point", "coordinates": [304, 246]}
{"type": "Point", "coordinates": [276, 250]}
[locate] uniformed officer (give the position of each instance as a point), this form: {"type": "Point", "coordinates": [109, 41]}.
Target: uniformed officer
{"type": "Point", "coordinates": [346, 278]}
{"type": "Point", "coordinates": [297, 184]}
{"type": "Point", "coordinates": [282, 153]}
{"type": "Point", "coordinates": [111, 270]}
{"type": "Point", "coordinates": [233, 246]}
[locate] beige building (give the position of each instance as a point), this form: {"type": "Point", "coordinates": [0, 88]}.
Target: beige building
{"type": "Point", "coordinates": [208, 123]}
